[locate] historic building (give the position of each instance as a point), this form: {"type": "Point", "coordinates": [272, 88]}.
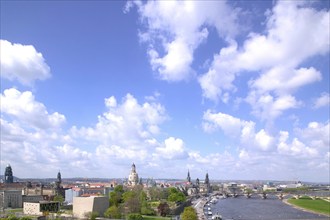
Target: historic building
{"type": "Point", "coordinates": [205, 187]}
{"type": "Point", "coordinates": [9, 178]}
{"type": "Point", "coordinates": [59, 190]}
{"type": "Point", "coordinates": [188, 178]}
{"type": "Point", "coordinates": [133, 178]}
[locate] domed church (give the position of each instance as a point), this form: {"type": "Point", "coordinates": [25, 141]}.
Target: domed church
{"type": "Point", "coordinates": [133, 178]}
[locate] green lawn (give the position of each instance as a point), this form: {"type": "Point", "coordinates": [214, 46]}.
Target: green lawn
{"type": "Point", "coordinates": [318, 205]}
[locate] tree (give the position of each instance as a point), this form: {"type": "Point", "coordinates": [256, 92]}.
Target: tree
{"type": "Point", "coordinates": [163, 209]}
{"type": "Point", "coordinates": [116, 195]}
{"type": "Point", "coordinates": [59, 198]}
{"type": "Point", "coordinates": [175, 195]}
{"type": "Point", "coordinates": [113, 212]}
{"type": "Point", "coordinates": [189, 213]}
{"type": "Point", "coordinates": [132, 201]}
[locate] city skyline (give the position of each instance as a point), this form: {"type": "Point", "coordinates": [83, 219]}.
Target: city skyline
{"type": "Point", "coordinates": [239, 90]}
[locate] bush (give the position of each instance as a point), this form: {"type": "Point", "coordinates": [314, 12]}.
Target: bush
{"type": "Point", "coordinates": [112, 212]}
{"type": "Point", "coordinates": [12, 217]}
{"type": "Point", "coordinates": [134, 216]}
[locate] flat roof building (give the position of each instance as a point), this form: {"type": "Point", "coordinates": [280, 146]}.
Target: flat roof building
{"type": "Point", "coordinates": [40, 208]}
{"type": "Point", "coordinates": [82, 206]}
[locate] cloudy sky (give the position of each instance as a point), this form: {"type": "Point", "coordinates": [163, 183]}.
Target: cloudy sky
{"type": "Point", "coordinates": [236, 89]}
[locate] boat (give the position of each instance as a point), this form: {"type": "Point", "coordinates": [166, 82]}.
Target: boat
{"type": "Point", "coordinates": [217, 217]}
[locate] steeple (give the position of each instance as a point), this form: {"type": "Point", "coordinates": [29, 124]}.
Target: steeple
{"type": "Point", "coordinates": [188, 177]}
{"type": "Point", "coordinates": [133, 168]}
{"type": "Point", "coordinates": [207, 181]}
{"type": "Point", "coordinates": [59, 178]}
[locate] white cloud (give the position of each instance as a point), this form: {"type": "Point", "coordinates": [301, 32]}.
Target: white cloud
{"type": "Point", "coordinates": [316, 135]}
{"type": "Point", "coordinates": [277, 55]}
{"type": "Point", "coordinates": [127, 123]}
{"type": "Point", "coordinates": [322, 101]}
{"type": "Point", "coordinates": [284, 81]}
{"type": "Point", "coordinates": [268, 107]}
{"type": "Point", "coordinates": [175, 29]}
{"type": "Point", "coordinates": [238, 129]}
{"type": "Point", "coordinates": [173, 149]}
{"type": "Point", "coordinates": [264, 140]}
{"type": "Point", "coordinates": [23, 107]}
{"type": "Point", "coordinates": [230, 125]}
{"type": "Point", "coordinates": [296, 148]}
{"type": "Point", "coordinates": [22, 63]}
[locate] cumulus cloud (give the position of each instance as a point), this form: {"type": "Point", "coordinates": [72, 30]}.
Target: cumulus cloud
{"type": "Point", "coordinates": [295, 148]}
{"type": "Point", "coordinates": [127, 123]}
{"type": "Point", "coordinates": [173, 30]}
{"type": "Point", "coordinates": [268, 107]}
{"type": "Point", "coordinates": [316, 135]}
{"type": "Point", "coordinates": [277, 55]}
{"type": "Point", "coordinates": [173, 149]}
{"type": "Point", "coordinates": [238, 129]}
{"type": "Point", "coordinates": [322, 101]}
{"type": "Point", "coordinates": [23, 107]}
{"type": "Point", "coordinates": [22, 63]}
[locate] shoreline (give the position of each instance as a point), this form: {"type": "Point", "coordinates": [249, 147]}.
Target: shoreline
{"type": "Point", "coordinates": [303, 209]}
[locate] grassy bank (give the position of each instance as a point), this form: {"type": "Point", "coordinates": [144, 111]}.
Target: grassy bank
{"type": "Point", "coordinates": [318, 205]}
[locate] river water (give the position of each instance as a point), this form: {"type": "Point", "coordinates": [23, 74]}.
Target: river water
{"type": "Point", "coordinates": [257, 208]}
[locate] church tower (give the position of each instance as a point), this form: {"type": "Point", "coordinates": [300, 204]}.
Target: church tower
{"type": "Point", "coordinates": [188, 177]}
{"type": "Point", "coordinates": [207, 183]}
{"type": "Point", "coordinates": [9, 174]}
{"type": "Point", "coordinates": [133, 178]}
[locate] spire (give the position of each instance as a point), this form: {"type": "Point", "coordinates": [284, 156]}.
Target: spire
{"type": "Point", "coordinates": [188, 177]}
{"type": "Point", "coordinates": [59, 178]}
{"type": "Point", "coordinates": [207, 181]}
{"type": "Point", "coordinates": [133, 168]}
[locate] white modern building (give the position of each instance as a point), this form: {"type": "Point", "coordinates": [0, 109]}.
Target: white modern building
{"type": "Point", "coordinates": [40, 208]}
{"type": "Point", "coordinates": [82, 206]}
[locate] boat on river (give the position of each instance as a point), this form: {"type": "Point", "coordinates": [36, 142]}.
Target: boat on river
{"type": "Point", "coordinates": [217, 217]}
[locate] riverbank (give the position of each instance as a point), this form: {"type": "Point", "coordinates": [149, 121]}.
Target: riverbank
{"type": "Point", "coordinates": [305, 209]}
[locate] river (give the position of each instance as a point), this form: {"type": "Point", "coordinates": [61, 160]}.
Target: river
{"type": "Point", "coordinates": [257, 208]}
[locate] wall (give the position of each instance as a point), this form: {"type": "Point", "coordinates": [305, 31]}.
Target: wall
{"type": "Point", "coordinates": [84, 205]}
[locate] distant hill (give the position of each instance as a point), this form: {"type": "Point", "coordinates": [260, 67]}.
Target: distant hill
{"type": "Point", "coordinates": [2, 178]}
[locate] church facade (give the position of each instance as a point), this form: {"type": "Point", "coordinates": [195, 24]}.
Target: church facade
{"type": "Point", "coordinates": [133, 178]}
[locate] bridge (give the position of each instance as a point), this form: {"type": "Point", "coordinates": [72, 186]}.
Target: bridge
{"type": "Point", "coordinates": [324, 194]}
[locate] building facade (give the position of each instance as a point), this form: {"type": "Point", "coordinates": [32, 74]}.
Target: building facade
{"type": "Point", "coordinates": [82, 206]}
{"type": "Point", "coordinates": [11, 198]}
{"type": "Point", "coordinates": [40, 208]}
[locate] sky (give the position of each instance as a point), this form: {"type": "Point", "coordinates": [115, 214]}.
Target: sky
{"type": "Point", "coordinates": [235, 89]}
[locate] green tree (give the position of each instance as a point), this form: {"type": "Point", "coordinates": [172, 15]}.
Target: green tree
{"type": "Point", "coordinates": [132, 201]}
{"type": "Point", "coordinates": [116, 195]}
{"type": "Point", "coordinates": [113, 212]}
{"type": "Point", "coordinates": [58, 198]}
{"type": "Point", "coordinates": [175, 195]}
{"type": "Point", "coordinates": [189, 213]}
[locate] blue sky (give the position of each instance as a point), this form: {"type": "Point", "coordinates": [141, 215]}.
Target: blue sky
{"type": "Point", "coordinates": [239, 90]}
